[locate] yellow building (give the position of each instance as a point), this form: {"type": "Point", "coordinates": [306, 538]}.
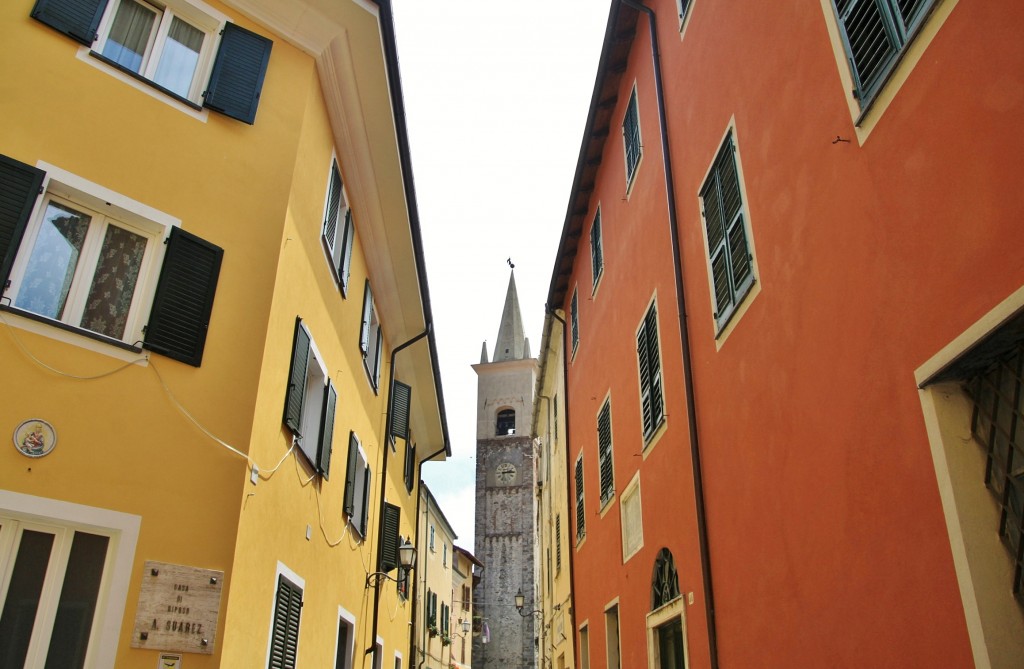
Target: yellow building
{"type": "Point", "coordinates": [215, 332]}
{"type": "Point", "coordinates": [554, 547]}
{"type": "Point", "coordinates": [435, 623]}
{"type": "Point", "coordinates": [465, 574]}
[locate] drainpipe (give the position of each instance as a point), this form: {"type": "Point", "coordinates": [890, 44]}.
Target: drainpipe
{"type": "Point", "coordinates": [568, 469]}
{"type": "Point", "coordinates": [691, 411]}
{"type": "Point", "coordinates": [383, 483]}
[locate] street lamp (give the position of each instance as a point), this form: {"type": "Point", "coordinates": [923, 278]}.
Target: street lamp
{"type": "Point", "coordinates": [521, 601]}
{"type": "Point", "coordinates": [406, 561]}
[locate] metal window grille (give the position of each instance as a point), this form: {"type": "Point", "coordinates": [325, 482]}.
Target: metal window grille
{"type": "Point", "coordinates": [996, 424]}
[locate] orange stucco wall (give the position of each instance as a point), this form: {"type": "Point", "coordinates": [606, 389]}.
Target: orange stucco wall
{"type": "Point", "coordinates": [827, 539]}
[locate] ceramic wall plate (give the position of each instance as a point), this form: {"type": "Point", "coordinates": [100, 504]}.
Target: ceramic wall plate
{"type": "Point", "coordinates": [35, 438]}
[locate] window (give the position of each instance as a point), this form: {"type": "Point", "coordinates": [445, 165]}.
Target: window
{"type": "Point", "coordinates": [310, 401]}
{"type": "Point", "coordinates": [390, 539]}
{"type": "Point", "coordinates": [631, 138]}
{"type": "Point", "coordinates": [875, 32]}
{"type": "Point", "coordinates": [683, 6]}
{"type": "Point", "coordinates": [346, 642]}
{"type": "Point", "coordinates": [171, 47]}
{"type": "Point", "coordinates": [338, 229]}
{"type": "Point", "coordinates": [506, 422]}
{"type": "Point", "coordinates": [631, 519]}
{"type": "Point", "coordinates": [444, 555]}
{"type": "Point", "coordinates": [431, 544]}
{"type": "Point", "coordinates": [596, 253]}
{"type": "Point", "coordinates": [94, 262]}
{"type": "Point", "coordinates": [611, 630]}
{"type": "Point", "coordinates": [371, 340]}
{"type": "Point", "coordinates": [581, 526]}
{"type": "Point", "coordinates": [445, 611]}
{"type": "Point", "coordinates": [432, 611]}
{"type": "Point", "coordinates": [53, 594]}
{"type": "Point", "coordinates": [574, 313]}
{"type": "Point", "coordinates": [584, 646]}
{"type": "Point", "coordinates": [649, 362]}
{"type": "Point", "coordinates": [284, 633]}
{"type": "Point", "coordinates": [357, 486]}
{"type": "Point", "coordinates": [732, 272]}
{"type": "Point", "coordinates": [604, 452]}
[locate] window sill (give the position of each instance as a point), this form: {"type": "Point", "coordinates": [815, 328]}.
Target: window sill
{"type": "Point", "coordinates": [607, 504]}
{"type": "Point", "coordinates": [138, 77]}
{"type": "Point", "coordinates": [72, 329]}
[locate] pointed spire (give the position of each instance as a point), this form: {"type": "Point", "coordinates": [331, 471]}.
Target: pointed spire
{"type": "Point", "coordinates": [510, 342]}
{"type": "Point", "coordinates": [483, 354]}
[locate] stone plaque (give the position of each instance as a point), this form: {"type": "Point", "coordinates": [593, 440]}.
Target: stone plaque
{"type": "Point", "coordinates": [178, 608]}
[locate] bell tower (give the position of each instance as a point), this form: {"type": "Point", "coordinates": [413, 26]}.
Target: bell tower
{"type": "Point", "coordinates": [505, 496]}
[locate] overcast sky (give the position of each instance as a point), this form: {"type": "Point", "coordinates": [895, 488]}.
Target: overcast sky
{"type": "Point", "coordinates": [496, 97]}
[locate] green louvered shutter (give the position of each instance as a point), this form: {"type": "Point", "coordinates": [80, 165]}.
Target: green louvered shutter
{"type": "Point", "coordinates": [183, 302]}
{"type": "Point", "coordinates": [604, 452]}
{"type": "Point", "coordinates": [401, 400]}
{"type": "Point", "coordinates": [78, 19]}
{"type": "Point", "coordinates": [654, 368]}
{"type": "Point", "coordinates": [237, 78]}
{"type": "Point", "coordinates": [327, 430]}
{"type": "Point", "coordinates": [581, 520]}
{"type": "Point", "coordinates": [345, 268]}
{"type": "Point", "coordinates": [349, 504]}
{"type": "Point", "coordinates": [364, 331]}
{"type": "Point", "coordinates": [284, 633]}
{"type": "Point", "coordinates": [596, 252]}
{"type": "Point", "coordinates": [20, 184]}
{"type": "Point", "coordinates": [645, 377]}
{"type": "Point", "coordinates": [871, 41]}
{"type": "Point", "coordinates": [295, 396]}
{"type": "Point", "coordinates": [389, 537]}
{"type": "Point", "coordinates": [332, 214]}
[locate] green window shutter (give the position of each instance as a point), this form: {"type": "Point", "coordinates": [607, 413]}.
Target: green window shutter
{"type": "Point", "coordinates": [410, 465]}
{"type": "Point", "coordinates": [596, 253]}
{"type": "Point", "coordinates": [348, 506]}
{"type": "Point", "coordinates": [631, 137]}
{"type": "Point", "coordinates": [345, 268]}
{"type": "Point", "coordinates": [401, 400]}
{"type": "Point", "coordinates": [574, 313]}
{"type": "Point", "coordinates": [363, 527]}
{"type": "Point", "coordinates": [870, 39]}
{"type": "Point", "coordinates": [295, 395]}
{"type": "Point", "coordinates": [284, 634]}
{"type": "Point", "coordinates": [643, 361]}
{"type": "Point", "coordinates": [327, 430]}
{"type": "Point", "coordinates": [654, 367]}
{"type": "Point", "coordinates": [20, 184]}
{"type": "Point", "coordinates": [78, 19]}
{"type": "Point", "coordinates": [581, 527]}
{"type": "Point", "coordinates": [238, 72]}
{"type": "Point", "coordinates": [558, 541]}
{"type": "Point", "coordinates": [183, 303]}
{"type": "Point", "coordinates": [389, 537]}
{"type": "Point", "coordinates": [364, 332]}
{"type": "Point", "coordinates": [378, 347]}
{"type": "Point", "coordinates": [332, 213]}
{"type": "Point", "coordinates": [604, 449]}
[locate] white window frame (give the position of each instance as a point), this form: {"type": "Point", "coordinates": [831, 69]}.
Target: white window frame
{"type": "Point", "coordinates": [123, 531]}
{"type": "Point", "coordinates": [684, 14]}
{"type": "Point", "coordinates": [347, 618]}
{"type": "Point", "coordinates": [105, 206]}
{"type": "Point", "coordinates": [196, 13]}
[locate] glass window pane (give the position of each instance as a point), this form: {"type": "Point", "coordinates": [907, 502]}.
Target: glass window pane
{"type": "Point", "coordinates": [77, 605]}
{"type": "Point", "coordinates": [51, 266]}
{"type": "Point", "coordinates": [130, 35]}
{"type": "Point", "coordinates": [113, 284]}
{"type": "Point", "coordinates": [179, 57]}
{"type": "Point", "coordinates": [22, 602]}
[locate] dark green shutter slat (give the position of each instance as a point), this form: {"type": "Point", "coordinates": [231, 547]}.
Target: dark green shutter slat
{"type": "Point", "coordinates": [327, 430]}
{"type": "Point", "coordinates": [366, 502]}
{"type": "Point", "coordinates": [350, 475]}
{"type": "Point", "coordinates": [645, 378]}
{"type": "Point", "coordinates": [581, 527]}
{"type": "Point", "coordinates": [389, 538]}
{"type": "Point", "coordinates": [401, 400]}
{"type": "Point", "coordinates": [237, 78]}
{"type": "Point", "coordinates": [183, 303]}
{"type": "Point", "coordinates": [19, 187]}
{"type": "Point", "coordinates": [78, 19]}
{"type": "Point", "coordinates": [346, 251]}
{"type": "Point", "coordinates": [654, 365]}
{"type": "Point", "coordinates": [284, 635]}
{"type": "Point", "coordinates": [333, 209]}
{"type": "Point", "coordinates": [296, 393]}
{"type": "Point", "coordinates": [604, 445]}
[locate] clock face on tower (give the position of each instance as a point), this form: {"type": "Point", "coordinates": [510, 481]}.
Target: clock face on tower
{"type": "Point", "coordinates": [505, 473]}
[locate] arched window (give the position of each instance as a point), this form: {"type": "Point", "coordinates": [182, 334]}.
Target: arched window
{"type": "Point", "coordinates": [664, 580]}
{"type": "Point", "coordinates": [506, 422]}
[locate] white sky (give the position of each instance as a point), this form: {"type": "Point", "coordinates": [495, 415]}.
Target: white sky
{"type": "Point", "coordinates": [496, 97]}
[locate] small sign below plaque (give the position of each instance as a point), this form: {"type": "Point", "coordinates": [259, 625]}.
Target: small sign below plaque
{"type": "Point", "coordinates": [178, 608]}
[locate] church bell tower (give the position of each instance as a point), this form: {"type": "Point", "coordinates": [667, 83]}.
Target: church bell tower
{"type": "Point", "coordinates": [505, 497]}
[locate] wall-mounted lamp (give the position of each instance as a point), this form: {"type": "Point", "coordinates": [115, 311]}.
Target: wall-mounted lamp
{"type": "Point", "coordinates": [521, 601]}
{"type": "Point", "coordinates": [406, 561]}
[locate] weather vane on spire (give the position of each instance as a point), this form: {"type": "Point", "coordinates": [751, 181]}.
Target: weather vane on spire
{"type": "Point", "coordinates": [509, 261]}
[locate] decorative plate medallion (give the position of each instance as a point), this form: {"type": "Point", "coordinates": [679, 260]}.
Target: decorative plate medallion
{"type": "Point", "coordinates": [35, 438]}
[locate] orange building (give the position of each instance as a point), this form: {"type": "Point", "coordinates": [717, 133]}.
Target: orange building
{"type": "Point", "coordinates": [793, 337]}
